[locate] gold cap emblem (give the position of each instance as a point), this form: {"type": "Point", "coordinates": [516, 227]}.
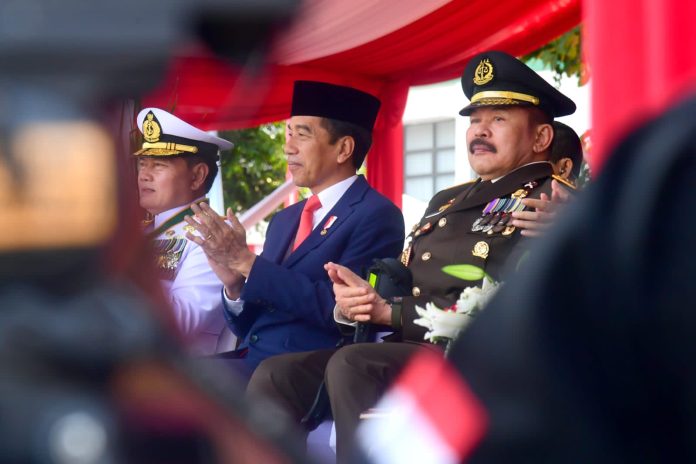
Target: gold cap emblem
{"type": "Point", "coordinates": [484, 72]}
{"type": "Point", "coordinates": [151, 128]}
{"type": "Point", "coordinates": [480, 250]}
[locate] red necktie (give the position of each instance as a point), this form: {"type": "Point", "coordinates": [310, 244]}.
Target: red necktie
{"type": "Point", "coordinates": [306, 220]}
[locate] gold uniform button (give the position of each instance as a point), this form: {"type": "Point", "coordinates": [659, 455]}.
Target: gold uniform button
{"type": "Point", "coordinates": [442, 222]}
{"type": "Point", "coordinates": [426, 256]}
{"type": "Point", "coordinates": [416, 291]}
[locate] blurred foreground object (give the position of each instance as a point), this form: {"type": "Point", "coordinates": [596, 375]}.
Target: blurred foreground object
{"type": "Point", "coordinates": [63, 191]}
{"type": "Point", "coordinates": [90, 378]}
{"type": "Point", "coordinates": [89, 373]}
{"type": "Point", "coordinates": [90, 49]}
{"type": "Point", "coordinates": [61, 63]}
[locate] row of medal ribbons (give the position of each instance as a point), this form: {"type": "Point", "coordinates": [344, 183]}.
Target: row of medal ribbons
{"type": "Point", "coordinates": [496, 216]}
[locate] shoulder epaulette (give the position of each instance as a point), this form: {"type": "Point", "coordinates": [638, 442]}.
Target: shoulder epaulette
{"type": "Point", "coordinates": [465, 183]}
{"type": "Point", "coordinates": [564, 181]}
{"type": "Point", "coordinates": [456, 187]}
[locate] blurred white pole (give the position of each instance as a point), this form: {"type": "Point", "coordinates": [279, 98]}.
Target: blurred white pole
{"type": "Point", "coordinates": [215, 196]}
{"type": "Point", "coordinates": [263, 208]}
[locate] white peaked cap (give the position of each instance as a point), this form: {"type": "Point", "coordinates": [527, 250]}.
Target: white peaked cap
{"type": "Point", "coordinates": [165, 134]}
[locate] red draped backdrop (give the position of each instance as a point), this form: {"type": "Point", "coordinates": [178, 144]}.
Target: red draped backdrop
{"type": "Point", "coordinates": [642, 57]}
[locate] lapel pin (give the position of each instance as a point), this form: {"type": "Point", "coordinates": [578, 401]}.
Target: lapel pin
{"type": "Point", "coordinates": [329, 222]}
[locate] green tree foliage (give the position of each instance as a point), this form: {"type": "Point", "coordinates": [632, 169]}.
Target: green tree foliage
{"type": "Point", "coordinates": [562, 55]}
{"type": "Point", "coordinates": [254, 167]}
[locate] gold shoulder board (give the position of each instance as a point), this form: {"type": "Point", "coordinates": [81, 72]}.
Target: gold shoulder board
{"type": "Point", "coordinates": [564, 181]}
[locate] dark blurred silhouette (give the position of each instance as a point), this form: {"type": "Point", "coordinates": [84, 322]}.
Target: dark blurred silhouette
{"type": "Point", "coordinates": [90, 372]}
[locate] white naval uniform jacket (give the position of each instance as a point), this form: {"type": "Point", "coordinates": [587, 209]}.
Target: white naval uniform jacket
{"type": "Point", "coordinates": [194, 292]}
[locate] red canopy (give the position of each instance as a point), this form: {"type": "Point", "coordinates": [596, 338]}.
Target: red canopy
{"type": "Point", "coordinates": [639, 64]}
{"type": "Point", "coordinates": [381, 47]}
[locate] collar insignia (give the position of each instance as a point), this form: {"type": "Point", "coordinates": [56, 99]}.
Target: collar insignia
{"type": "Point", "coordinates": [520, 193]}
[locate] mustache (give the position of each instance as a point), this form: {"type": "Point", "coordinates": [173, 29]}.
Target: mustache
{"type": "Point", "coordinates": [489, 146]}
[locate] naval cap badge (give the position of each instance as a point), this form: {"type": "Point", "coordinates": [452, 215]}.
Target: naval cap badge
{"type": "Point", "coordinates": [151, 128]}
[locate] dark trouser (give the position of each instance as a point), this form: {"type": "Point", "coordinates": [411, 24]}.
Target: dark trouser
{"type": "Point", "coordinates": [230, 362]}
{"type": "Point", "coordinates": [356, 377]}
{"type": "Point", "coordinates": [290, 380]}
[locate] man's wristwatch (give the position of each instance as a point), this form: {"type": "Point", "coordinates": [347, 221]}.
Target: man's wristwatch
{"type": "Point", "coordinates": [396, 303]}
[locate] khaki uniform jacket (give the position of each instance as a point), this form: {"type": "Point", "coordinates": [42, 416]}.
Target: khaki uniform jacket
{"type": "Point", "coordinates": [444, 236]}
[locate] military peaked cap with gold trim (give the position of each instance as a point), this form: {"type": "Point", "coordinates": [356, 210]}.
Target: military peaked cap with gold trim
{"type": "Point", "coordinates": [497, 79]}
{"type": "Point", "coordinates": [166, 135]}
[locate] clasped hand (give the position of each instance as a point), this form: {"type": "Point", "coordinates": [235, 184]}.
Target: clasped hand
{"type": "Point", "coordinates": [355, 298]}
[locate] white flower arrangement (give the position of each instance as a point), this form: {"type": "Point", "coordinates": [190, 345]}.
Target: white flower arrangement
{"type": "Point", "coordinates": [445, 325]}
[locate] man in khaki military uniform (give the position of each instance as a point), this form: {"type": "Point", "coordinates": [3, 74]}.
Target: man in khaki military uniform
{"type": "Point", "coordinates": [509, 140]}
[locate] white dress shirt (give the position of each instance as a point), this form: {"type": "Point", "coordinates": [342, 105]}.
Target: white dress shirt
{"type": "Point", "coordinates": [328, 198]}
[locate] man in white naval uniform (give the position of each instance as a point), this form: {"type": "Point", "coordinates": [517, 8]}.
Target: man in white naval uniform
{"type": "Point", "coordinates": [176, 167]}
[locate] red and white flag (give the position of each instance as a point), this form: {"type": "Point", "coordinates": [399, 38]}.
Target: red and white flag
{"type": "Point", "coordinates": [429, 416]}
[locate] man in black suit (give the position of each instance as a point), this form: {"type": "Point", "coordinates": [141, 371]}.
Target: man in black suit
{"type": "Point", "coordinates": [509, 139]}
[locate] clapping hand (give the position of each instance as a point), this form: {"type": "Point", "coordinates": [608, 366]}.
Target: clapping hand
{"type": "Point", "coordinates": [542, 212]}
{"type": "Point", "coordinates": [224, 244]}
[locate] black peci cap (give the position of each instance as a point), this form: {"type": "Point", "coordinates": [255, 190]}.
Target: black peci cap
{"type": "Point", "coordinates": [310, 98]}
{"type": "Point", "coordinates": [497, 79]}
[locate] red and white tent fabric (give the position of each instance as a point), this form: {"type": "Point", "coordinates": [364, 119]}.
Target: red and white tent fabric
{"type": "Point", "coordinates": [641, 55]}
{"type": "Point", "coordinates": [381, 47]}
